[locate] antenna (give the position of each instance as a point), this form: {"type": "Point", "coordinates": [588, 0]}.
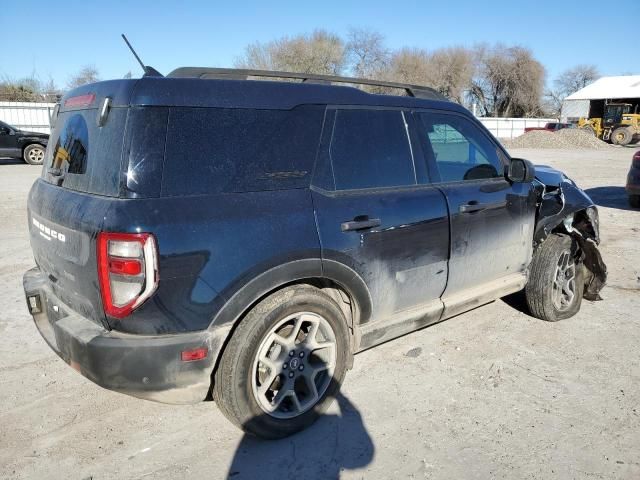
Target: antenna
{"type": "Point", "coordinates": [148, 71]}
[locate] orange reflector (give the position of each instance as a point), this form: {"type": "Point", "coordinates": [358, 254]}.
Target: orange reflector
{"type": "Point", "coordinates": [195, 354]}
{"type": "Point", "coordinates": [80, 100]}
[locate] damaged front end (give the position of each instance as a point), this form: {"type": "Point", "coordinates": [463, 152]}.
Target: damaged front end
{"type": "Point", "coordinates": [562, 207]}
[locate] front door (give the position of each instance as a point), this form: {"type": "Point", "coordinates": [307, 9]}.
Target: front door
{"type": "Point", "coordinates": [375, 217]}
{"type": "Point", "coordinates": [492, 219]}
{"type": "Point", "coordinates": [8, 141]}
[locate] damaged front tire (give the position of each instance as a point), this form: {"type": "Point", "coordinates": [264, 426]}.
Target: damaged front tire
{"type": "Point", "coordinates": [556, 279]}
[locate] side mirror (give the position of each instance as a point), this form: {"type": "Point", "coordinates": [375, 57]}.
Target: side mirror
{"type": "Point", "coordinates": [521, 171]}
{"type": "Point", "coordinates": [4, 131]}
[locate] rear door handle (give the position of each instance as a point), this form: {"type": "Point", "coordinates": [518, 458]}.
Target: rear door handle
{"type": "Point", "coordinates": [360, 223]}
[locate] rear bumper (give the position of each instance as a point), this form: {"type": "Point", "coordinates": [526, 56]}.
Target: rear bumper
{"type": "Point", "coordinates": [143, 366]}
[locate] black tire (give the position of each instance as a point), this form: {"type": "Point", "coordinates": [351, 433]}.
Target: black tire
{"type": "Point", "coordinates": [634, 201]}
{"type": "Point", "coordinates": [542, 292]}
{"type": "Point", "coordinates": [621, 136]}
{"type": "Point", "coordinates": [34, 154]}
{"type": "Point", "coordinates": [234, 390]}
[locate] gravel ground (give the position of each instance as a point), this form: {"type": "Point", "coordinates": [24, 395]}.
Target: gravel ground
{"type": "Point", "coordinates": [567, 138]}
{"type": "Point", "coordinates": [492, 393]}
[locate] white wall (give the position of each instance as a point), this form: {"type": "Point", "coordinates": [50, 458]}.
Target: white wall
{"type": "Point", "coordinates": [512, 127]}
{"type": "Point", "coordinates": [27, 116]}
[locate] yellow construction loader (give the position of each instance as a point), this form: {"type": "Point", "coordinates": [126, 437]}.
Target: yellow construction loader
{"type": "Point", "coordinates": [618, 125]}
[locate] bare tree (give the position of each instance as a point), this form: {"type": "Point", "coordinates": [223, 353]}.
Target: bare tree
{"type": "Point", "coordinates": [508, 81]}
{"type": "Point", "coordinates": [409, 65]}
{"type": "Point", "coordinates": [576, 78]}
{"type": "Point", "coordinates": [448, 70]}
{"type": "Point", "coordinates": [320, 52]}
{"type": "Point", "coordinates": [503, 81]}
{"type": "Point", "coordinates": [17, 91]}
{"type": "Point", "coordinates": [88, 74]}
{"type": "Point", "coordinates": [366, 53]}
{"type": "Point", "coordinates": [29, 89]}
{"type": "Point", "coordinates": [568, 82]}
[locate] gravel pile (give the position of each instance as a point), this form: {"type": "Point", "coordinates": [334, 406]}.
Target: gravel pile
{"type": "Point", "coordinates": [567, 139]}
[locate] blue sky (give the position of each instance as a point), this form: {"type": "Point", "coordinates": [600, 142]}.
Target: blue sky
{"type": "Point", "coordinates": [57, 38]}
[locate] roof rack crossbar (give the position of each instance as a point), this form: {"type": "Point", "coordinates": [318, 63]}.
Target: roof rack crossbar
{"type": "Point", "coordinates": [418, 91]}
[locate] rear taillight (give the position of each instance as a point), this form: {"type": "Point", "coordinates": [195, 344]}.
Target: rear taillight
{"type": "Point", "coordinates": [127, 270]}
{"type": "Point", "coordinates": [635, 163]}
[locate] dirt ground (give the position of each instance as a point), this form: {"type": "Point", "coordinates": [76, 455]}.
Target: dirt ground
{"type": "Point", "coordinates": [492, 393]}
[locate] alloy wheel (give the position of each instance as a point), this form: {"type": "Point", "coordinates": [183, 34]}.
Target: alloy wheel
{"type": "Point", "coordinates": [294, 365]}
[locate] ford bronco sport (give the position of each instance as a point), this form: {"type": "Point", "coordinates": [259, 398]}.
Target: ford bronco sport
{"type": "Point", "coordinates": [206, 236]}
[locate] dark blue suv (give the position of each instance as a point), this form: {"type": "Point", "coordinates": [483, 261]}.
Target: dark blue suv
{"type": "Point", "coordinates": [199, 237]}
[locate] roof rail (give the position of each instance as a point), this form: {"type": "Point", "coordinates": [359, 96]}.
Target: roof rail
{"type": "Point", "coordinates": [417, 91]}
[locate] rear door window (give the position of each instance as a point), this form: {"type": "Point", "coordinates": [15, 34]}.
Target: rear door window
{"type": "Point", "coordinates": [217, 150]}
{"type": "Point", "coordinates": [370, 149]}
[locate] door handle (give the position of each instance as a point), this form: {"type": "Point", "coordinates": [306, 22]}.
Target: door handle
{"type": "Point", "coordinates": [361, 222]}
{"type": "Point", "coordinates": [472, 206]}
{"type": "Point", "coordinates": [475, 206]}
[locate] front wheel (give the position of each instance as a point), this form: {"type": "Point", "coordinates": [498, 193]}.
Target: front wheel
{"type": "Point", "coordinates": [284, 363]}
{"type": "Point", "coordinates": [622, 136]}
{"type": "Point", "coordinates": [556, 279]}
{"type": "Point", "coordinates": [634, 201]}
{"type": "Point", "coordinates": [34, 154]}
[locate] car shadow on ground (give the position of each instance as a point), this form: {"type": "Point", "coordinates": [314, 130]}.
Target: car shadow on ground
{"type": "Point", "coordinates": [611, 197]}
{"type": "Point", "coordinates": [518, 302]}
{"type": "Point", "coordinates": [331, 445]}
{"type": "Point", "coordinates": [11, 161]}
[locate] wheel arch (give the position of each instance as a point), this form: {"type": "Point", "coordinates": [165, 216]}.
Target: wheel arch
{"type": "Point", "coordinates": [28, 143]}
{"type": "Point", "coordinates": [339, 281]}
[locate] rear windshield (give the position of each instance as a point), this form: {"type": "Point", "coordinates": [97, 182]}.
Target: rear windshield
{"type": "Point", "coordinates": [217, 150]}
{"type": "Point", "coordinates": [84, 157]}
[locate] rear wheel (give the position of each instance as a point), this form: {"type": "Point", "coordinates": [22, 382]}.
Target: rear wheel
{"type": "Point", "coordinates": [555, 287]}
{"type": "Point", "coordinates": [634, 201]}
{"type": "Point", "coordinates": [284, 363]}
{"type": "Point", "coordinates": [34, 154]}
{"type": "Point", "coordinates": [622, 136]}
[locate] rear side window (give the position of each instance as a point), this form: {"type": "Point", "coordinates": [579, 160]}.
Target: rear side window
{"type": "Point", "coordinates": [83, 156]}
{"type": "Point", "coordinates": [216, 150]}
{"type": "Point", "coordinates": [370, 149]}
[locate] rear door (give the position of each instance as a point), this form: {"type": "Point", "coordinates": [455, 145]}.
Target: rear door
{"type": "Point", "coordinates": [376, 215]}
{"type": "Point", "coordinates": [491, 219]}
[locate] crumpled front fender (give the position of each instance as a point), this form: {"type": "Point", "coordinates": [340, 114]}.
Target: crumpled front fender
{"type": "Point", "coordinates": [564, 207]}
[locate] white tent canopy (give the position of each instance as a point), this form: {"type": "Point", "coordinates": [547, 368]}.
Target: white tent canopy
{"type": "Point", "coordinates": [627, 86]}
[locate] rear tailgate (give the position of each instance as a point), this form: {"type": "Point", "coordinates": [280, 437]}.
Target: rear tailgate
{"type": "Point", "coordinates": [80, 180]}
{"type": "Point", "coordinates": [63, 226]}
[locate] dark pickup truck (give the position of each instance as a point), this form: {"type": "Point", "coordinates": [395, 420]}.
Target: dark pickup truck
{"type": "Point", "coordinates": [16, 143]}
{"type": "Point", "coordinates": [550, 127]}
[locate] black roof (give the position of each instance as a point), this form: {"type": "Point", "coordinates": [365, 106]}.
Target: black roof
{"type": "Point", "coordinates": [197, 92]}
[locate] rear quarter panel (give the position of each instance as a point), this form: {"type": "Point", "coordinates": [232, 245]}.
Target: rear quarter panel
{"type": "Point", "coordinates": [210, 246]}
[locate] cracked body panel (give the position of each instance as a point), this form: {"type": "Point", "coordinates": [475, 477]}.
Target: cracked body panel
{"type": "Point", "coordinates": [564, 207]}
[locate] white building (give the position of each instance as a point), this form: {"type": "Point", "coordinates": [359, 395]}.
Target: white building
{"type": "Point", "coordinates": [590, 101]}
